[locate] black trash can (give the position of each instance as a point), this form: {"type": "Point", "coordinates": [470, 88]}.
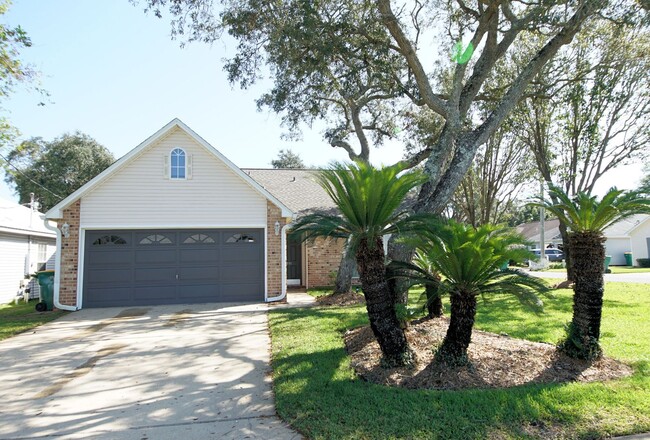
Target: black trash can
{"type": "Point", "coordinates": [46, 283]}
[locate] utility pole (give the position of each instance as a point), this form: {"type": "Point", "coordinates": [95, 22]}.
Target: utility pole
{"type": "Point", "coordinates": [542, 215]}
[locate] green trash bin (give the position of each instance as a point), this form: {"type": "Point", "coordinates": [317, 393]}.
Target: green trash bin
{"type": "Point", "coordinates": [628, 259]}
{"type": "Point", "coordinates": [608, 258]}
{"type": "Point", "coordinates": [46, 283]}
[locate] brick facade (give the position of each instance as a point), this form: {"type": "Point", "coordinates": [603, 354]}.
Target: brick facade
{"type": "Point", "coordinates": [69, 256]}
{"type": "Point", "coordinates": [323, 258]}
{"type": "Point", "coordinates": [273, 250]}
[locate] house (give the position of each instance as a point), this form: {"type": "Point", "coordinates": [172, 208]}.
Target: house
{"type": "Point", "coordinates": [26, 246]}
{"type": "Point", "coordinates": [175, 221]}
{"type": "Point", "coordinates": [532, 232]}
{"type": "Point", "coordinates": [629, 235]}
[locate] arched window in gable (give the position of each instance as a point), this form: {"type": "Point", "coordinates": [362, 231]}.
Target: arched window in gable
{"type": "Point", "coordinates": [178, 163]}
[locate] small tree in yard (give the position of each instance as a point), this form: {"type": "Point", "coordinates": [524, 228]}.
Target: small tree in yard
{"type": "Point", "coordinates": [587, 218]}
{"type": "Point", "coordinates": [469, 260]}
{"type": "Point", "coordinates": [368, 199]}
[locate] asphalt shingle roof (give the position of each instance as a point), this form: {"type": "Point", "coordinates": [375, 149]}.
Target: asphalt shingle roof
{"type": "Point", "coordinates": [296, 188]}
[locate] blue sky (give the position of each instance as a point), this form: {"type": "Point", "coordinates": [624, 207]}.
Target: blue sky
{"type": "Point", "coordinates": [114, 73]}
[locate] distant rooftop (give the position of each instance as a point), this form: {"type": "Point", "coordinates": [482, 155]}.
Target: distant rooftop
{"type": "Point", "coordinates": [18, 219]}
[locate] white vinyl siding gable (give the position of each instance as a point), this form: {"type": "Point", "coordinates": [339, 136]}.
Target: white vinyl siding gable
{"type": "Point", "coordinates": [140, 195]}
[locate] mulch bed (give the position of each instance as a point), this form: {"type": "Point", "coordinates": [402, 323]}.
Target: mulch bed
{"type": "Point", "coordinates": [341, 299]}
{"type": "Point", "coordinates": [497, 361]}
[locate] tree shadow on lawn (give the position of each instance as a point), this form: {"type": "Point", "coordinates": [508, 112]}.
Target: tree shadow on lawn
{"type": "Point", "coordinates": [318, 393]}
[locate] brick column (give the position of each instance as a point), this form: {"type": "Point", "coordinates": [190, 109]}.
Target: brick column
{"type": "Point", "coordinates": [273, 250]}
{"type": "Point", "coordinates": [69, 256]}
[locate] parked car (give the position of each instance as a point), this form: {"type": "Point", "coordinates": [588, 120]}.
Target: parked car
{"type": "Point", "coordinates": [553, 255]}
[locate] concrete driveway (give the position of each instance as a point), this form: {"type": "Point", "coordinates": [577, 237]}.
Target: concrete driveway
{"type": "Point", "coordinates": [166, 372]}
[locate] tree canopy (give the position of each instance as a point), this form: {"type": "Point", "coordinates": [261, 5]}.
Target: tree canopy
{"type": "Point", "coordinates": [53, 170]}
{"type": "Point", "coordinates": [12, 69]}
{"type": "Point", "coordinates": [287, 159]}
{"type": "Point", "coordinates": [374, 67]}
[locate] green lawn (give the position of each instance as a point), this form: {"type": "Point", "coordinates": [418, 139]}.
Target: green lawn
{"type": "Point", "coordinates": [22, 317]}
{"type": "Point", "coordinates": [615, 269]}
{"type": "Point", "coordinates": [317, 392]}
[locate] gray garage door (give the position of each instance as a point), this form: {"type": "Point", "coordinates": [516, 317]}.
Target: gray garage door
{"type": "Point", "coordinates": [149, 267]}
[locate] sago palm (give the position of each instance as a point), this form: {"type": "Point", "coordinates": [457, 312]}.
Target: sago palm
{"type": "Point", "coordinates": [368, 200]}
{"type": "Point", "coordinates": [421, 272]}
{"type": "Point", "coordinates": [586, 218]}
{"type": "Point", "coordinates": [469, 260]}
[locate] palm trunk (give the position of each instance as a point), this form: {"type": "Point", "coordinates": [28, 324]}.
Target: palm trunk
{"type": "Point", "coordinates": [379, 304]}
{"type": "Point", "coordinates": [459, 334]}
{"type": "Point", "coordinates": [588, 252]}
{"type": "Point", "coordinates": [434, 302]}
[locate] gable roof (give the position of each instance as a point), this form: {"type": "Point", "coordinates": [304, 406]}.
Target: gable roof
{"type": "Point", "coordinates": [57, 211]}
{"type": "Point", "coordinates": [625, 227]}
{"type": "Point", "coordinates": [296, 188]}
{"type": "Point", "coordinates": [18, 219]}
{"type": "Point", "coordinates": [531, 231]}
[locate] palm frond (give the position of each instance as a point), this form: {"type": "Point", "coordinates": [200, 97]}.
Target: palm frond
{"type": "Point", "coordinates": [585, 213]}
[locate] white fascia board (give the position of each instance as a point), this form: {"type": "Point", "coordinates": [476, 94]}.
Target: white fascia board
{"type": "Point", "coordinates": [57, 211]}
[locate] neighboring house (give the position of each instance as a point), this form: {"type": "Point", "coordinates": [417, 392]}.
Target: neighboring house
{"type": "Point", "coordinates": [532, 232]}
{"type": "Point", "coordinates": [174, 221]}
{"type": "Point", "coordinates": [629, 235]}
{"type": "Point", "coordinates": [26, 246]}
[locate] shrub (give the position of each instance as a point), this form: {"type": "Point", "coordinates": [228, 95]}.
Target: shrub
{"type": "Point", "coordinates": [643, 262]}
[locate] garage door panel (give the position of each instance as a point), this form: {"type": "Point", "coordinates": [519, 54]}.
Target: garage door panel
{"type": "Point", "coordinates": [199, 273]}
{"type": "Point", "coordinates": [235, 292]}
{"type": "Point", "coordinates": [155, 275]}
{"type": "Point", "coordinates": [154, 293]}
{"type": "Point", "coordinates": [148, 267]}
{"type": "Point", "coordinates": [156, 256]}
{"type": "Point", "coordinates": [198, 255]}
{"type": "Point", "coordinates": [110, 258]}
{"type": "Point", "coordinates": [241, 273]}
{"type": "Point", "coordinates": [106, 297]}
{"type": "Point", "coordinates": [242, 254]}
{"type": "Point", "coordinates": [207, 292]}
{"type": "Point", "coordinates": [112, 275]}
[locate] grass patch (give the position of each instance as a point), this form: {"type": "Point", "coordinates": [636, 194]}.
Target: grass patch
{"type": "Point", "coordinates": [614, 269]}
{"type": "Point", "coordinates": [318, 393]}
{"type": "Point", "coordinates": [18, 318]}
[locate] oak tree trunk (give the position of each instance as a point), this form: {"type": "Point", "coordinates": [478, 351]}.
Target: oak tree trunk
{"type": "Point", "coordinates": [379, 304]}
{"type": "Point", "coordinates": [344, 275]}
{"type": "Point", "coordinates": [399, 286]}
{"type": "Point", "coordinates": [459, 334]}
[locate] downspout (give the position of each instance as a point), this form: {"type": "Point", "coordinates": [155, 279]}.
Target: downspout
{"type": "Point", "coordinates": [283, 262]}
{"type": "Point", "coordinates": [57, 270]}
